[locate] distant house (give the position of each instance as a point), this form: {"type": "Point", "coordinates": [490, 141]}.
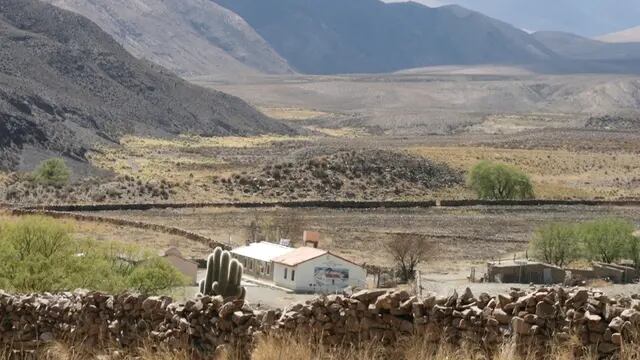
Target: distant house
{"type": "Point", "coordinates": [187, 267]}
{"type": "Point", "coordinates": [257, 258]}
{"type": "Point", "coordinates": [309, 269]}
{"type": "Point", "coordinates": [524, 272]}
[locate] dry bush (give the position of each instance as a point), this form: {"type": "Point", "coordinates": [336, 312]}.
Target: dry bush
{"type": "Point", "coordinates": [65, 351]}
{"type": "Point", "coordinates": [408, 251]}
{"type": "Point", "coordinates": [416, 348]}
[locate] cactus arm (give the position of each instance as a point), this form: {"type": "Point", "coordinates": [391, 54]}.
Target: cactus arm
{"type": "Point", "coordinates": [238, 280]}
{"type": "Point", "coordinates": [223, 278]}
{"type": "Point", "coordinates": [202, 287]}
{"type": "Point", "coordinates": [210, 276]}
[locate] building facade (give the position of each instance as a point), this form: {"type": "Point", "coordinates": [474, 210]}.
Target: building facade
{"type": "Point", "coordinates": [313, 270]}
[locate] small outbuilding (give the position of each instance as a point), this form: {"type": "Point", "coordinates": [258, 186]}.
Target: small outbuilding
{"type": "Point", "coordinates": [524, 272]}
{"type": "Point", "coordinates": [309, 269]}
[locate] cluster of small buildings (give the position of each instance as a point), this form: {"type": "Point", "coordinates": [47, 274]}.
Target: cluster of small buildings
{"type": "Point", "coordinates": [525, 272]}
{"type": "Point", "coordinates": [305, 269]}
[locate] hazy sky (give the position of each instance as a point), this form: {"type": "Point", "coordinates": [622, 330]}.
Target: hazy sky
{"type": "Point", "coordinates": [583, 17]}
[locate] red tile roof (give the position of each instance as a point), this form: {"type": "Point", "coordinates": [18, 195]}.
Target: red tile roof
{"type": "Point", "coordinates": [299, 255]}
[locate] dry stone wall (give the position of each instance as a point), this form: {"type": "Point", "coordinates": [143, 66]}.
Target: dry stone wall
{"type": "Point", "coordinates": [206, 323]}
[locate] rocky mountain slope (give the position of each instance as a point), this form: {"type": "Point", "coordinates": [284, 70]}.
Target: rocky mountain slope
{"type": "Point", "coordinates": [65, 84]}
{"type": "Point", "coordinates": [577, 47]}
{"type": "Point", "coordinates": [629, 35]}
{"type": "Point", "coordinates": [584, 17]}
{"type": "Point", "coordinates": [189, 37]}
{"type": "Point", "coordinates": [334, 36]}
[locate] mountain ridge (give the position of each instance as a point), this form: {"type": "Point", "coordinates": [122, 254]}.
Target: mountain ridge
{"type": "Point", "coordinates": [371, 36]}
{"type": "Point", "coordinates": [66, 85]}
{"type": "Point", "coordinates": [188, 37]}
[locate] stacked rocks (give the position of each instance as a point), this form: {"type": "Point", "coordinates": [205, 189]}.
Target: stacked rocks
{"type": "Point", "coordinates": [529, 318]}
{"type": "Point", "coordinates": [206, 324]}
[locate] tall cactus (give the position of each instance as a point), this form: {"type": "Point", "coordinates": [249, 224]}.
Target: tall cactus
{"type": "Point", "coordinates": [224, 276]}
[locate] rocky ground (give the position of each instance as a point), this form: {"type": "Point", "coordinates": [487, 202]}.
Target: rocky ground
{"type": "Point", "coordinates": [529, 319]}
{"type": "Point", "coordinates": [16, 189]}
{"type": "Point", "coordinates": [365, 174]}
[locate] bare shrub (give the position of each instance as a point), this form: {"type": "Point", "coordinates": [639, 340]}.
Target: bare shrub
{"type": "Point", "coordinates": [408, 251]}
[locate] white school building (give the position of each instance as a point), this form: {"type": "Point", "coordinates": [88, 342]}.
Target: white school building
{"type": "Point", "coordinates": [303, 269]}
{"type": "Point", "coordinates": [308, 269]}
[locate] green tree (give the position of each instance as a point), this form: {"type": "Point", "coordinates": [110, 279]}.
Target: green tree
{"type": "Point", "coordinates": [633, 249]}
{"type": "Point", "coordinates": [39, 254]}
{"type": "Point", "coordinates": [155, 275]}
{"type": "Point", "coordinates": [52, 172]}
{"type": "Point", "coordinates": [608, 239]}
{"type": "Point", "coordinates": [556, 244]}
{"type": "Point", "coordinates": [493, 181]}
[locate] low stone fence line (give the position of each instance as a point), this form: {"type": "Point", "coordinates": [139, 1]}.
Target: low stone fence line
{"type": "Point", "coordinates": [537, 202]}
{"type": "Point", "coordinates": [205, 324]}
{"type": "Point", "coordinates": [329, 204]}
{"type": "Point", "coordinates": [122, 222]}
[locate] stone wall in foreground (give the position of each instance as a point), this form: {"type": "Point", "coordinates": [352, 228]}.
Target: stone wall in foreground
{"type": "Point", "coordinates": [206, 323]}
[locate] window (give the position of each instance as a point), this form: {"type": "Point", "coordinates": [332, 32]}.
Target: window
{"type": "Point", "coordinates": [250, 264]}
{"type": "Point", "coordinates": [293, 275]}
{"type": "Point", "coordinates": [268, 268]}
{"type": "Point", "coordinates": [285, 272]}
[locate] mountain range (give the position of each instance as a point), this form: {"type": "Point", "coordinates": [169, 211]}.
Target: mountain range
{"type": "Point", "coordinates": [235, 39]}
{"type": "Point", "coordinates": [66, 85]}
{"type": "Point", "coordinates": [360, 36]}
{"type": "Point", "coordinates": [577, 47]}
{"type": "Point", "coordinates": [587, 18]}
{"type": "Point", "coordinates": [188, 37]}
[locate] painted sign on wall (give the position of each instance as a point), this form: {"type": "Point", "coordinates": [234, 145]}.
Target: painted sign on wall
{"type": "Point", "coordinates": [331, 276]}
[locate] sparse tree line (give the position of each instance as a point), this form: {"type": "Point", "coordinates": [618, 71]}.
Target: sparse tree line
{"type": "Point", "coordinates": [607, 240]}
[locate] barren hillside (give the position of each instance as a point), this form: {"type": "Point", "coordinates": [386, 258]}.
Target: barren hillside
{"type": "Point", "coordinates": [424, 102]}
{"type": "Point", "coordinates": [189, 37]}
{"type": "Point", "coordinates": [65, 84]}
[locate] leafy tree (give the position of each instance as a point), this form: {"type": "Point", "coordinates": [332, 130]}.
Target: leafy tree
{"type": "Point", "coordinates": [52, 172]}
{"type": "Point", "coordinates": [608, 239]}
{"type": "Point", "coordinates": [155, 275]}
{"type": "Point", "coordinates": [556, 244]}
{"type": "Point", "coordinates": [499, 182]}
{"type": "Point", "coordinates": [39, 254]}
{"type": "Point", "coordinates": [408, 251]}
{"type": "Point", "coordinates": [633, 249]}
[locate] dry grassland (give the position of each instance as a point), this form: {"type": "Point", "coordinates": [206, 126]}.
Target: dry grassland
{"type": "Point", "coordinates": [291, 113]}
{"type": "Point", "coordinates": [143, 239]}
{"type": "Point", "coordinates": [556, 174]}
{"type": "Point", "coordinates": [182, 159]}
{"type": "Point", "coordinates": [346, 132]}
{"type": "Point", "coordinates": [298, 347]}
